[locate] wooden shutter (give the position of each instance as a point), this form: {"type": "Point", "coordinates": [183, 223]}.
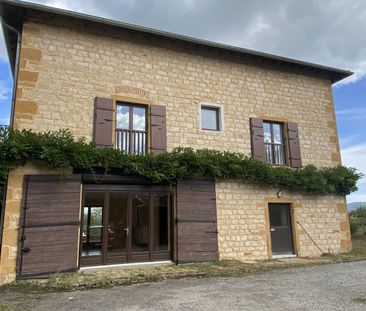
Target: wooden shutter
{"type": "Point", "coordinates": [49, 225]}
{"type": "Point", "coordinates": [196, 221]}
{"type": "Point", "coordinates": [103, 122]}
{"type": "Point", "coordinates": [257, 138]}
{"type": "Point", "coordinates": [158, 142]}
{"type": "Point", "coordinates": [294, 144]}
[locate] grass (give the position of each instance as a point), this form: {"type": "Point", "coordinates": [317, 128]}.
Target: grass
{"type": "Point", "coordinates": [4, 306]}
{"type": "Point", "coordinates": [109, 278]}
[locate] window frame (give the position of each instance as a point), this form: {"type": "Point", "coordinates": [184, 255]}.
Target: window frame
{"type": "Point", "coordinates": [218, 110]}
{"type": "Point", "coordinates": [273, 144]}
{"type": "Point", "coordinates": [130, 116]}
{"type": "Point", "coordinates": [130, 129]}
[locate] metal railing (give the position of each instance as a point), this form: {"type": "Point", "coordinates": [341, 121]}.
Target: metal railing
{"type": "Point", "coordinates": [274, 153]}
{"type": "Point", "coordinates": [131, 141]}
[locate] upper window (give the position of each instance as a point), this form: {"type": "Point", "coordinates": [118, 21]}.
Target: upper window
{"type": "Point", "coordinates": [131, 134]}
{"type": "Point", "coordinates": [210, 118]}
{"type": "Point", "coordinates": [273, 143]}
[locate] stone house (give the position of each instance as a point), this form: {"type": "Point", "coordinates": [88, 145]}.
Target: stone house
{"type": "Point", "coordinates": [143, 90]}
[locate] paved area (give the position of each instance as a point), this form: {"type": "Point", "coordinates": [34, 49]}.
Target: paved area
{"type": "Point", "coordinates": [326, 287]}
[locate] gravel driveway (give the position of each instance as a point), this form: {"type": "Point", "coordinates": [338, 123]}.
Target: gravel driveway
{"type": "Point", "coordinates": [326, 287]}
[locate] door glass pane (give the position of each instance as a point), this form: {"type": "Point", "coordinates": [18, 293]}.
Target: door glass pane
{"type": "Point", "coordinates": [123, 117]}
{"type": "Point", "coordinates": [140, 222]}
{"type": "Point", "coordinates": [92, 231]}
{"type": "Point", "coordinates": [139, 118]}
{"type": "Point", "coordinates": [277, 134]}
{"type": "Point", "coordinates": [161, 222]}
{"type": "Point", "coordinates": [117, 222]}
{"type": "Point", "coordinates": [267, 132]}
{"type": "Point", "coordinates": [279, 215]}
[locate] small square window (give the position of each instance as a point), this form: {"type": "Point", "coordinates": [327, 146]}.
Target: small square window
{"type": "Point", "coordinates": [210, 118]}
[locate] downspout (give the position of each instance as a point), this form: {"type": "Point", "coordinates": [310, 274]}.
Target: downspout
{"type": "Point", "coordinates": [15, 70]}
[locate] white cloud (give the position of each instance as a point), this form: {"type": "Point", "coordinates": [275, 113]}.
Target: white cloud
{"type": "Point", "coordinates": [3, 52]}
{"type": "Point", "coordinates": [352, 114]}
{"type": "Point", "coordinates": [325, 32]}
{"type": "Point", "coordinates": [5, 89]}
{"type": "Point", "coordinates": [356, 198]}
{"type": "Point", "coordinates": [354, 156]}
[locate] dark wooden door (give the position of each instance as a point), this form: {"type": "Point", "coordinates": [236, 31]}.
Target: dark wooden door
{"type": "Point", "coordinates": [49, 225]}
{"type": "Point", "coordinates": [280, 227]}
{"type": "Point", "coordinates": [196, 221]}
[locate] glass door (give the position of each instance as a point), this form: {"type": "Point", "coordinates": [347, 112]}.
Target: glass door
{"type": "Point", "coordinates": [125, 226]}
{"type": "Point", "coordinates": [117, 229]}
{"type": "Point", "coordinates": [140, 227]}
{"type": "Point", "coordinates": [92, 228]}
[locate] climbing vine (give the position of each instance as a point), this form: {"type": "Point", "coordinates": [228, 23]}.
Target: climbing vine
{"type": "Point", "coordinates": [61, 150]}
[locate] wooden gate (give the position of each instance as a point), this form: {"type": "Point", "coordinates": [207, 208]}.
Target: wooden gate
{"type": "Point", "coordinates": [196, 221]}
{"type": "Point", "coordinates": [49, 225]}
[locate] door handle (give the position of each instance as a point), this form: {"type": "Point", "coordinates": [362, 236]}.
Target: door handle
{"type": "Point", "coordinates": [127, 230]}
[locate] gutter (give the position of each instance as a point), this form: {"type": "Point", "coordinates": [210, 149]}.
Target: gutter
{"type": "Point", "coordinates": [15, 69]}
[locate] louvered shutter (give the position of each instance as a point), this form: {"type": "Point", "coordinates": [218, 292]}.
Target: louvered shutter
{"type": "Point", "coordinates": [294, 144]}
{"type": "Point", "coordinates": [158, 142]}
{"type": "Point", "coordinates": [50, 221]}
{"type": "Point", "coordinates": [257, 139]}
{"type": "Point", "coordinates": [103, 122]}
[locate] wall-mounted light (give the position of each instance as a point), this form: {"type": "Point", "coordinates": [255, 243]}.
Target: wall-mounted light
{"type": "Point", "coordinates": [279, 194]}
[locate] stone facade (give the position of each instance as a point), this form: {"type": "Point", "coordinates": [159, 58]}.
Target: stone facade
{"type": "Point", "coordinates": [64, 65]}
{"type": "Point", "coordinates": [64, 68]}
{"type": "Point", "coordinates": [320, 223]}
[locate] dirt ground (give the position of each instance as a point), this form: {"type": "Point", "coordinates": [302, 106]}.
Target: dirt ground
{"type": "Point", "coordinates": [330, 282]}
{"type": "Point", "coordinates": [322, 287]}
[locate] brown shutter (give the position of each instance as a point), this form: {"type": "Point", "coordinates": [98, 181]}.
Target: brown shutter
{"type": "Point", "coordinates": [257, 140]}
{"type": "Point", "coordinates": [294, 144]}
{"type": "Point", "coordinates": [196, 221]}
{"type": "Point", "coordinates": [103, 122]}
{"type": "Point", "coordinates": [49, 225]}
{"type": "Point", "coordinates": [158, 142]}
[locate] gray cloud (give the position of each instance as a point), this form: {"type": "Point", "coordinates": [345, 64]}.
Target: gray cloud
{"type": "Point", "coordinates": [3, 53]}
{"type": "Point", "coordinates": [326, 32]}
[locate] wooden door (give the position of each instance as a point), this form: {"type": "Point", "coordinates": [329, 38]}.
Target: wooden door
{"type": "Point", "coordinates": [49, 225]}
{"type": "Point", "coordinates": [280, 227]}
{"type": "Point", "coordinates": [196, 221]}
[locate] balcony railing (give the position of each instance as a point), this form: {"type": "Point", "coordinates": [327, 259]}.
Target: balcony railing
{"type": "Point", "coordinates": [131, 141]}
{"type": "Point", "coordinates": [274, 154]}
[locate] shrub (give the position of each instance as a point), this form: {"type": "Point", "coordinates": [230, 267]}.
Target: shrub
{"type": "Point", "coordinates": [60, 149]}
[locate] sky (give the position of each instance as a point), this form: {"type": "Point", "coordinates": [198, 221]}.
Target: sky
{"type": "Point", "coordinates": [325, 32]}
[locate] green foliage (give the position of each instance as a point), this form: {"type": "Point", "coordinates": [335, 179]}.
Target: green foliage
{"type": "Point", "coordinates": [60, 149]}
{"type": "Point", "coordinates": [360, 212]}
{"type": "Point", "coordinates": [354, 225]}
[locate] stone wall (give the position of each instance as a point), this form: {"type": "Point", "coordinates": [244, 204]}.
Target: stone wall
{"type": "Point", "coordinates": [243, 221]}
{"type": "Point", "coordinates": [64, 65]}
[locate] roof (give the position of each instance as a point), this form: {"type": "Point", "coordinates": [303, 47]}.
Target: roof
{"type": "Point", "coordinates": [13, 13]}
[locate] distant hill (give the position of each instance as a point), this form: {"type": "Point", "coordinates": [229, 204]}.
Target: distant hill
{"type": "Point", "coordinates": [355, 205]}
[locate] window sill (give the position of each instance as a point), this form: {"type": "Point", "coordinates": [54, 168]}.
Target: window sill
{"type": "Point", "coordinates": [211, 131]}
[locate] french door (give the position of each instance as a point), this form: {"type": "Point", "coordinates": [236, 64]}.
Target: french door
{"type": "Point", "coordinates": [125, 226]}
